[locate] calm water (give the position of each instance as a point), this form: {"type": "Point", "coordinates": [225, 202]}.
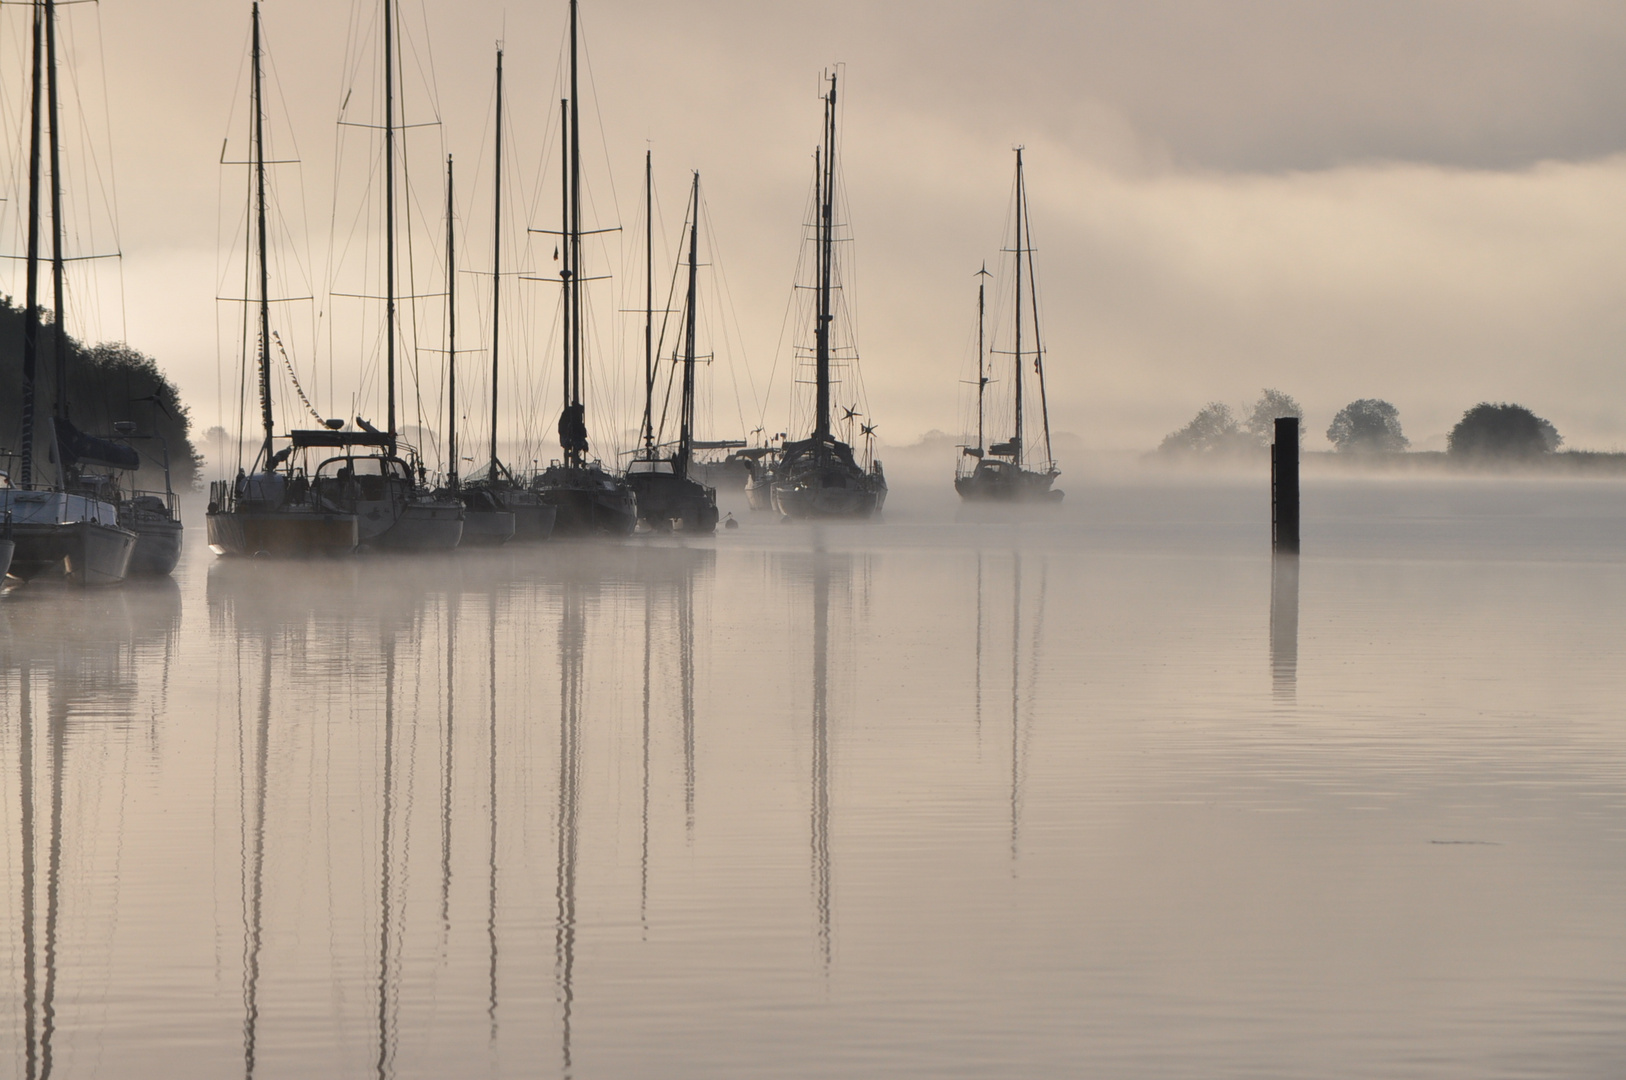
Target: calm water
{"type": "Point", "coordinates": [1104, 793]}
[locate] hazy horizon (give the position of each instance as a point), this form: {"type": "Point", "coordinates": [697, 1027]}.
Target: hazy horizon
{"type": "Point", "coordinates": [1422, 204]}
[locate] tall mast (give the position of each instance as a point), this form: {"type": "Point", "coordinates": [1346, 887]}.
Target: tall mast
{"type": "Point", "coordinates": [389, 209]}
{"type": "Point", "coordinates": [565, 277]}
{"type": "Point", "coordinates": [982, 349]}
{"type": "Point", "coordinates": [1017, 373]}
{"type": "Point", "coordinates": [59, 335]}
{"type": "Point", "coordinates": [574, 228]}
{"type": "Point", "coordinates": [31, 312]}
{"type": "Point", "coordinates": [260, 244]}
{"type": "Point", "coordinates": [826, 256]}
{"type": "Point", "coordinates": [1038, 346]}
{"type": "Point", "coordinates": [686, 433]}
{"type": "Point", "coordinates": [496, 274]}
{"type": "Point", "coordinates": [649, 304]}
{"type": "Point", "coordinates": [451, 331]}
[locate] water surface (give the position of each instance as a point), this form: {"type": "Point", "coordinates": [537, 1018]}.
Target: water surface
{"type": "Point", "coordinates": [1103, 792]}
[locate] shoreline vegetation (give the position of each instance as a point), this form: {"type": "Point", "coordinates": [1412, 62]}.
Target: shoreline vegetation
{"type": "Point", "coordinates": [107, 383]}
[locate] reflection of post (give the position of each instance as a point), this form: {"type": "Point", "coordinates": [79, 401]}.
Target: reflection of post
{"type": "Point", "coordinates": [821, 747]}
{"type": "Point", "coordinates": [1284, 486]}
{"type": "Point", "coordinates": [1284, 624]}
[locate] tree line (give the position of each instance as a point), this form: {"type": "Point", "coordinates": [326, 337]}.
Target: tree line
{"type": "Point", "coordinates": [1489, 430]}
{"type": "Point", "coordinates": [106, 384]}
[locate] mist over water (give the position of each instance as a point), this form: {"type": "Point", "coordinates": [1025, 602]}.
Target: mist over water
{"type": "Point", "coordinates": [1103, 791]}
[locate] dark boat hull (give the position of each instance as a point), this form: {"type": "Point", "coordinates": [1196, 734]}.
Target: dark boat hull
{"type": "Point", "coordinates": [667, 502]}
{"type": "Point", "coordinates": [487, 528]}
{"type": "Point", "coordinates": [7, 547]}
{"type": "Point", "coordinates": [421, 526]}
{"type": "Point", "coordinates": [810, 496]}
{"type": "Point", "coordinates": [282, 534]}
{"type": "Point", "coordinates": [85, 552]}
{"type": "Point", "coordinates": [588, 502]}
{"type": "Point", "coordinates": [1008, 484]}
{"type": "Point", "coordinates": [157, 547]}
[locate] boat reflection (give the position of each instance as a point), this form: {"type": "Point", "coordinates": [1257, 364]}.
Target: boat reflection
{"type": "Point", "coordinates": [94, 656]}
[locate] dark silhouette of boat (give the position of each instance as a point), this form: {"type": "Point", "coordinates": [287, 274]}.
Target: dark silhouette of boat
{"type": "Point", "coordinates": [819, 476]}
{"type": "Point", "coordinates": [589, 500]}
{"type": "Point", "coordinates": [64, 527]}
{"type": "Point", "coordinates": [668, 496]}
{"type": "Point", "coordinates": [274, 508]}
{"type": "Point", "coordinates": [1002, 471]}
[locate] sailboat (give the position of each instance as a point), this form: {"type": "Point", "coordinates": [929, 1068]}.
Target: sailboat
{"type": "Point", "coordinates": [819, 477]}
{"type": "Point", "coordinates": [395, 509]}
{"type": "Point", "coordinates": [667, 496]}
{"type": "Point", "coordinates": [61, 526]}
{"type": "Point", "coordinates": [589, 499]}
{"type": "Point", "coordinates": [273, 509]}
{"type": "Point", "coordinates": [495, 505]}
{"type": "Point", "coordinates": [1003, 471]}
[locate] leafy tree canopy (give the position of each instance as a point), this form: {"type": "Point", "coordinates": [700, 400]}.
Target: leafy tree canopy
{"type": "Point", "coordinates": [1272, 406]}
{"type": "Point", "coordinates": [1366, 426]}
{"type": "Point", "coordinates": [1214, 430]}
{"type": "Point", "coordinates": [1502, 431]}
{"type": "Point", "coordinates": [107, 383]}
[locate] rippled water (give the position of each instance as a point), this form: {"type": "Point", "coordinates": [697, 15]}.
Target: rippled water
{"type": "Point", "coordinates": [1102, 793]}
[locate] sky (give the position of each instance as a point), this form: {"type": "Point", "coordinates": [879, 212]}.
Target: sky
{"type": "Point", "coordinates": [1421, 201]}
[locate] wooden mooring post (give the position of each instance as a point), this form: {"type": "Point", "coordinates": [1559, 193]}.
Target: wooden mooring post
{"type": "Point", "coordinates": [1284, 486]}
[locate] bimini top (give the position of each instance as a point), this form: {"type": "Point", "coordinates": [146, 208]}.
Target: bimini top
{"type": "Point", "coordinates": [326, 437]}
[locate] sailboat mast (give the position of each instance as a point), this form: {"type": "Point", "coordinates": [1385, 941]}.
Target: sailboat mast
{"type": "Point", "coordinates": [31, 312]}
{"type": "Point", "coordinates": [826, 256]}
{"type": "Point", "coordinates": [260, 244]}
{"type": "Point", "coordinates": [59, 334]}
{"type": "Point", "coordinates": [649, 304]}
{"type": "Point", "coordinates": [1017, 373]}
{"type": "Point", "coordinates": [982, 349]}
{"type": "Point", "coordinates": [451, 332]}
{"type": "Point", "coordinates": [686, 435]}
{"type": "Point", "coordinates": [496, 273]}
{"type": "Point", "coordinates": [575, 226]}
{"type": "Point", "coordinates": [1038, 346]}
{"type": "Point", "coordinates": [389, 210]}
{"type": "Point", "coordinates": [565, 277]}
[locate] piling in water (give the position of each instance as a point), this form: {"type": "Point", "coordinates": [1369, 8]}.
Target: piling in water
{"type": "Point", "coordinates": [1284, 486]}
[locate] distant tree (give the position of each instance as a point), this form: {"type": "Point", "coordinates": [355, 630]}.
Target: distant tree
{"type": "Point", "coordinates": [1502, 431]}
{"type": "Point", "coordinates": [1214, 430]}
{"type": "Point", "coordinates": [1272, 406]}
{"type": "Point", "coordinates": [1366, 426]}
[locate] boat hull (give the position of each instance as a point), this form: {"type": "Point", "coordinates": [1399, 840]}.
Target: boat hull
{"type": "Point", "coordinates": [759, 492]}
{"type": "Point", "coordinates": [282, 534]}
{"type": "Point", "coordinates": [84, 552]}
{"type": "Point", "coordinates": [808, 497]}
{"type": "Point", "coordinates": [667, 502]}
{"type": "Point", "coordinates": [487, 528]}
{"type": "Point", "coordinates": [533, 522]}
{"type": "Point", "coordinates": [426, 525]}
{"type": "Point", "coordinates": [1008, 484]}
{"type": "Point", "coordinates": [7, 547]}
{"type": "Point", "coordinates": [157, 547]}
{"type": "Point", "coordinates": [588, 502]}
